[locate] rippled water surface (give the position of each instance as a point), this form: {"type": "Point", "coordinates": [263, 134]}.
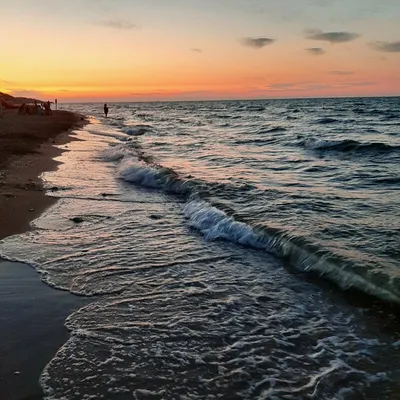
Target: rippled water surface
{"type": "Point", "coordinates": [218, 242]}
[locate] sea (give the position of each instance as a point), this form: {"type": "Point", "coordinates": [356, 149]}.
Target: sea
{"type": "Point", "coordinates": [230, 250]}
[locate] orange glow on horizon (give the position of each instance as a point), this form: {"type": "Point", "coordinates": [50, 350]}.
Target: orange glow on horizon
{"type": "Point", "coordinates": [93, 62]}
{"type": "Point", "coordinates": [240, 81]}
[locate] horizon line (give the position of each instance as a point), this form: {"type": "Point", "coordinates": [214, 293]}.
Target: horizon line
{"type": "Point", "coordinates": [222, 99]}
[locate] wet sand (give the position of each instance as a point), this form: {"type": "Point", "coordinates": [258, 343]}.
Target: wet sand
{"type": "Point", "coordinates": [26, 151]}
{"type": "Point", "coordinates": [32, 314]}
{"type": "Point", "coordinates": [32, 328]}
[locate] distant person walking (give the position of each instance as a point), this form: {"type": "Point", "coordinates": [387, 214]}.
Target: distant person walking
{"type": "Point", "coordinates": [47, 108]}
{"type": "Point", "coordinates": [105, 110]}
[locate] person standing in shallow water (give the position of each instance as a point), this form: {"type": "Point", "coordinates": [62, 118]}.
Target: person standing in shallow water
{"type": "Point", "coordinates": [105, 109]}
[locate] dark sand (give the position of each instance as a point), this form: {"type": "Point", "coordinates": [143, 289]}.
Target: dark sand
{"type": "Point", "coordinates": [32, 315]}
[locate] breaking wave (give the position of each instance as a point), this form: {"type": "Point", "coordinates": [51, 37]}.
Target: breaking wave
{"type": "Point", "coordinates": [216, 223]}
{"type": "Point", "coordinates": [114, 153]}
{"type": "Point", "coordinates": [153, 176]}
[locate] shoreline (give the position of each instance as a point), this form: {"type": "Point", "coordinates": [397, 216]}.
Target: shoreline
{"type": "Point", "coordinates": [22, 196]}
{"type": "Point", "coordinates": [32, 328]}
{"type": "Point", "coordinates": [33, 314]}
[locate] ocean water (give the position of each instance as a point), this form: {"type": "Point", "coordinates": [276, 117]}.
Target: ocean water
{"type": "Point", "coordinates": [232, 250]}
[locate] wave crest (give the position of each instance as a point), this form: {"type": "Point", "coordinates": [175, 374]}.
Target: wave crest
{"type": "Point", "coordinates": [114, 153]}
{"type": "Point", "coordinates": [275, 129]}
{"type": "Point", "coordinates": [327, 120]}
{"type": "Point", "coordinates": [154, 176]}
{"type": "Point", "coordinates": [216, 224]}
{"type": "Point", "coordinates": [346, 145]}
{"type": "Point", "coordinates": [137, 130]}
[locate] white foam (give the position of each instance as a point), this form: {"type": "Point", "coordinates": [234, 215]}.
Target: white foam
{"type": "Point", "coordinates": [313, 143]}
{"type": "Point", "coordinates": [131, 170]}
{"type": "Point", "coordinates": [214, 224]}
{"type": "Point", "coordinates": [114, 153]}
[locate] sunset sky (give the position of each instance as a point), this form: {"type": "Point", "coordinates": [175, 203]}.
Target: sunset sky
{"type": "Point", "coordinates": [129, 50]}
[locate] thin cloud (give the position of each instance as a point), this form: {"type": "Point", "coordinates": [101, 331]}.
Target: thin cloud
{"type": "Point", "coordinates": [387, 47]}
{"type": "Point", "coordinates": [314, 86]}
{"type": "Point", "coordinates": [257, 43]}
{"type": "Point", "coordinates": [117, 24]}
{"type": "Point", "coordinates": [331, 37]}
{"type": "Point", "coordinates": [167, 92]}
{"type": "Point", "coordinates": [170, 94]}
{"type": "Point", "coordinates": [147, 94]}
{"type": "Point", "coordinates": [297, 86]}
{"type": "Point", "coordinates": [344, 73]}
{"type": "Point", "coordinates": [362, 84]}
{"type": "Point", "coordinates": [316, 51]}
{"type": "Point", "coordinates": [196, 50]}
{"type": "Point", "coordinates": [284, 85]}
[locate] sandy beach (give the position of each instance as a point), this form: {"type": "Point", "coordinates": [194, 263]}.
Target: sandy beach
{"type": "Point", "coordinates": [33, 315]}
{"type": "Point", "coordinates": [26, 151]}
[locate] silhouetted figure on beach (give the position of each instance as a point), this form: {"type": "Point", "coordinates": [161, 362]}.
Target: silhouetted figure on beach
{"type": "Point", "coordinates": [105, 109]}
{"type": "Point", "coordinates": [22, 109]}
{"type": "Point", "coordinates": [47, 108]}
{"type": "Point", "coordinates": [35, 109]}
